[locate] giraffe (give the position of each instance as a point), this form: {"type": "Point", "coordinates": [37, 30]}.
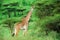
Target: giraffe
{"type": "Point", "coordinates": [24, 24]}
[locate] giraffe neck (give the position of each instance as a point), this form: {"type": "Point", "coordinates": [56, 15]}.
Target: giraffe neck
{"type": "Point", "coordinates": [29, 14]}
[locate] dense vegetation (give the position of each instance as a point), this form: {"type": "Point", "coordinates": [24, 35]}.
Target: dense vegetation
{"type": "Point", "coordinates": [44, 23]}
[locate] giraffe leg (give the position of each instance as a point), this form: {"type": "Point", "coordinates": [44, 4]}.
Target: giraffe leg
{"type": "Point", "coordinates": [25, 30]}
{"type": "Point", "coordinates": [15, 32]}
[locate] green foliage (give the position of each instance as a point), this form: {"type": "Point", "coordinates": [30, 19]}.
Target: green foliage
{"type": "Point", "coordinates": [47, 9]}
{"type": "Point", "coordinates": [45, 12]}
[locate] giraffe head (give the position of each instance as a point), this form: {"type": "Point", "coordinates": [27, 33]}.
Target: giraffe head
{"type": "Point", "coordinates": [32, 8]}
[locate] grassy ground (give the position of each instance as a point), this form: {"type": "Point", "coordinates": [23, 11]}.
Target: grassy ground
{"type": "Point", "coordinates": [34, 32]}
